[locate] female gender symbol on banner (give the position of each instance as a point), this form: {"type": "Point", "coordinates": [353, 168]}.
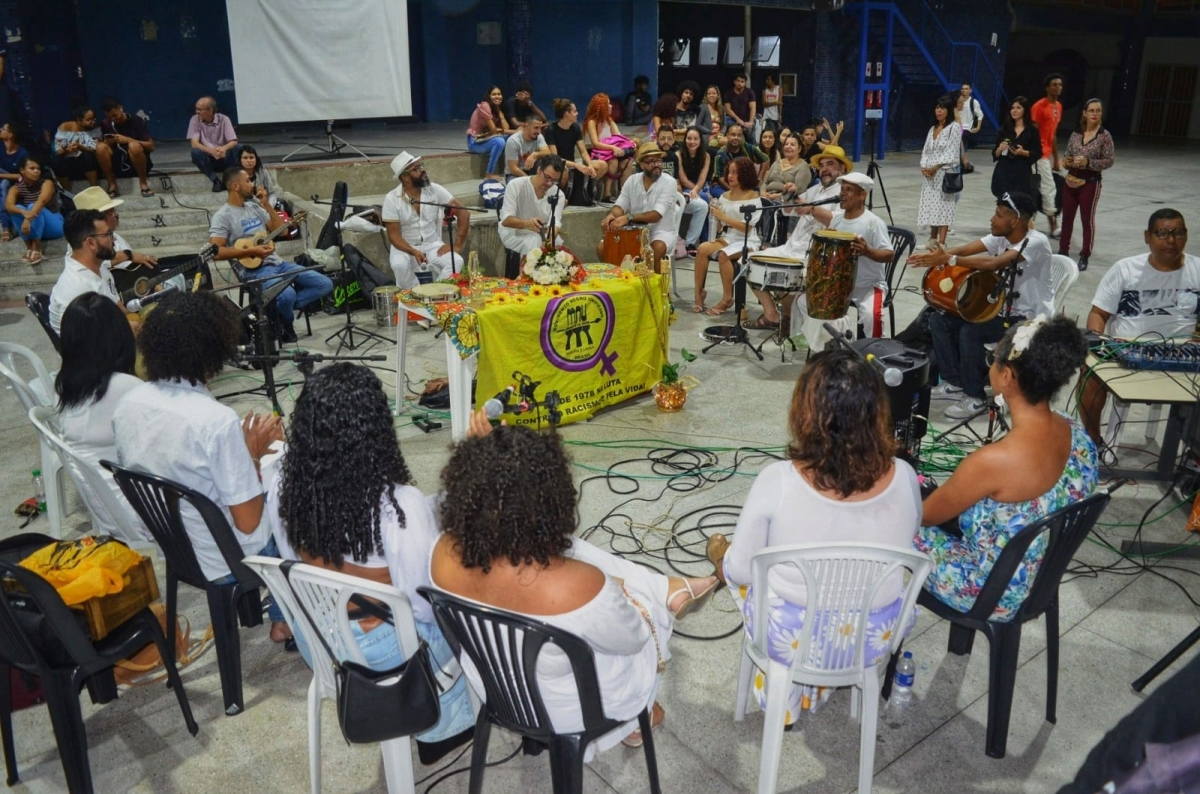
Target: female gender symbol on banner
{"type": "Point", "coordinates": [576, 330]}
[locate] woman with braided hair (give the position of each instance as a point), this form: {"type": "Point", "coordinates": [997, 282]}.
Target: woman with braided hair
{"type": "Point", "coordinates": [341, 498]}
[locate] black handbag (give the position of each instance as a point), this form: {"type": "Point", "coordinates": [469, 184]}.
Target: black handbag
{"type": "Point", "coordinates": [377, 705]}
{"type": "Point", "coordinates": [952, 181]}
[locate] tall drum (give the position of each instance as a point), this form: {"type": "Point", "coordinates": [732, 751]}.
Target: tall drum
{"type": "Point", "coordinates": [623, 242]}
{"type": "Point", "coordinates": [832, 270]}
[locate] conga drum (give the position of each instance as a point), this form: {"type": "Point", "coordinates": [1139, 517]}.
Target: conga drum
{"type": "Point", "coordinates": [965, 292]}
{"type": "Point", "coordinates": [623, 242]}
{"type": "Point", "coordinates": [832, 270]}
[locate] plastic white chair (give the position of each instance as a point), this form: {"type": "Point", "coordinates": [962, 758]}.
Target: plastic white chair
{"type": "Point", "coordinates": [34, 392]}
{"type": "Point", "coordinates": [326, 595]}
{"type": "Point", "coordinates": [841, 581]}
{"type": "Point", "coordinates": [92, 482]}
{"type": "Point", "coordinates": [1063, 275]}
{"type": "Point", "coordinates": [680, 206]}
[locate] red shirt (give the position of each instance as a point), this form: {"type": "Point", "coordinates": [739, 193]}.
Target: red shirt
{"type": "Point", "coordinates": [1046, 115]}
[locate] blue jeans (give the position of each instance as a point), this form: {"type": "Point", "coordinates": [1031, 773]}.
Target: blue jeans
{"type": "Point", "coordinates": [382, 652]}
{"type": "Point", "coordinates": [274, 613]}
{"type": "Point", "coordinates": [492, 147]}
{"type": "Point", "coordinates": [309, 287]}
{"type": "Point", "coordinates": [958, 345]}
{"type": "Point", "coordinates": [46, 225]}
{"type": "Point", "coordinates": [211, 166]}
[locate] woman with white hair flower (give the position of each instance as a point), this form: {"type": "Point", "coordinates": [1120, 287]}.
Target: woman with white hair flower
{"type": "Point", "coordinates": [1046, 462]}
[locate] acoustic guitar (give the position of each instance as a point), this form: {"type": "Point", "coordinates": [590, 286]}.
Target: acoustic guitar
{"type": "Point", "coordinates": [144, 285]}
{"type": "Point", "coordinates": [251, 262]}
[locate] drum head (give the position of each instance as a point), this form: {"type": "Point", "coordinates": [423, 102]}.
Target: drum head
{"type": "Point", "coordinates": [772, 259]}
{"type": "Point", "coordinates": [834, 234]}
{"type": "Point", "coordinates": [435, 291]}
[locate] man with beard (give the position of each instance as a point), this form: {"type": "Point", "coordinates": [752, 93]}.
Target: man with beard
{"type": "Point", "coordinates": [735, 147]}
{"type": "Point", "coordinates": [648, 200]}
{"type": "Point", "coordinates": [525, 214]}
{"type": "Point", "coordinates": [244, 216]}
{"type": "Point", "coordinates": [831, 164]}
{"type": "Point", "coordinates": [414, 224]}
{"type": "Point", "coordinates": [87, 268]}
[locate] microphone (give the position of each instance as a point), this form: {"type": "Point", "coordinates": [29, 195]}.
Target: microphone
{"type": "Point", "coordinates": [497, 405]}
{"type": "Point", "coordinates": [891, 376]}
{"type": "Point", "coordinates": [830, 200]}
{"type": "Point", "coordinates": [137, 304]}
{"type": "Point", "coordinates": [838, 337]}
{"type": "Point", "coordinates": [552, 198]}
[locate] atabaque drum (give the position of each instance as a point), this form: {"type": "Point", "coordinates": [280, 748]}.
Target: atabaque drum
{"type": "Point", "coordinates": [775, 273]}
{"type": "Point", "coordinates": [623, 242]}
{"type": "Point", "coordinates": [973, 295]}
{"type": "Point", "coordinates": [832, 269]}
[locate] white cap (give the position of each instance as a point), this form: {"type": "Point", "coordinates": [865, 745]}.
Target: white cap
{"type": "Point", "coordinates": [860, 180]}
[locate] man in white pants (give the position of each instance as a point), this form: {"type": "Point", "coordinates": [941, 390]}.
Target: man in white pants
{"type": "Point", "coordinates": [647, 198]}
{"type": "Point", "coordinates": [414, 225]}
{"type": "Point", "coordinates": [1046, 113]}
{"type": "Point", "coordinates": [525, 214]}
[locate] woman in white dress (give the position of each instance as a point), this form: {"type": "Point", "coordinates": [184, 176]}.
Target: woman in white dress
{"type": "Point", "coordinates": [943, 146]}
{"type": "Point", "coordinates": [732, 235]}
{"type": "Point", "coordinates": [508, 516]}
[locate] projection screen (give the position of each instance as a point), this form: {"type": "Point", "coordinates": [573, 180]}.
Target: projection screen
{"type": "Point", "coordinates": [314, 60]}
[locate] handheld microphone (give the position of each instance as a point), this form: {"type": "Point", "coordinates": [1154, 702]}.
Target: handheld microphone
{"type": "Point", "coordinates": [838, 337]}
{"type": "Point", "coordinates": [496, 406]}
{"type": "Point", "coordinates": [891, 376]}
{"type": "Point", "coordinates": [137, 304]}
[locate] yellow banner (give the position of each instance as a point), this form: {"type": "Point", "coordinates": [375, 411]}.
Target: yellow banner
{"type": "Point", "coordinates": [594, 347]}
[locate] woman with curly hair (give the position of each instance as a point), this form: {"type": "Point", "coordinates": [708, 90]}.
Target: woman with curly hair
{"type": "Point", "coordinates": [608, 145]}
{"type": "Point", "coordinates": [173, 427]}
{"type": "Point", "coordinates": [508, 517]}
{"type": "Point", "coordinates": [733, 231]}
{"type": "Point", "coordinates": [341, 498]}
{"type": "Point", "coordinates": [664, 113]}
{"type": "Point", "coordinates": [840, 482]}
{"type": "Point", "coordinates": [1043, 464]}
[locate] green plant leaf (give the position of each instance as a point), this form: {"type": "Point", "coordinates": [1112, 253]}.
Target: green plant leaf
{"type": "Point", "coordinates": [685, 355]}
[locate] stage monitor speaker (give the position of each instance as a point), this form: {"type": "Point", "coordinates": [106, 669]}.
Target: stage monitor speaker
{"type": "Point", "coordinates": [909, 400]}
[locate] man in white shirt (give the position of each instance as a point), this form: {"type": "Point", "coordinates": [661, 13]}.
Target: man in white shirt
{"type": "Point", "coordinates": [647, 198]}
{"type": "Point", "coordinates": [873, 247]}
{"type": "Point", "coordinates": [958, 344]}
{"type": "Point", "coordinates": [525, 215]}
{"type": "Point", "coordinates": [94, 198]}
{"type": "Point", "coordinates": [970, 118]}
{"type": "Point", "coordinates": [413, 221]}
{"type": "Point", "coordinates": [524, 148]}
{"type": "Point", "coordinates": [831, 164]}
{"type": "Point", "coordinates": [86, 269]}
{"type": "Point", "coordinates": [173, 427]}
{"type": "Point", "coordinates": [1149, 296]}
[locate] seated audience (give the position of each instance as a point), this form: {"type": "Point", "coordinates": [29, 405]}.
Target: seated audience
{"type": "Point", "coordinates": [637, 102]}
{"type": "Point", "coordinates": [810, 145]}
{"type": "Point", "coordinates": [245, 213]}
{"type": "Point", "coordinates": [735, 147]}
{"type": "Point", "coordinates": [565, 138]}
{"type": "Point", "coordinates": [691, 111]}
{"type": "Point", "coordinates": [694, 165]}
{"type": "Point", "coordinates": [827, 134]}
{"type": "Point", "coordinates": [521, 106]}
{"type": "Point", "coordinates": [741, 107]}
{"type": "Point", "coordinates": [648, 199]}
{"type": "Point", "coordinates": [608, 145]}
{"type": "Point", "coordinates": [487, 131]}
{"type": "Point", "coordinates": [1043, 464]}
{"type": "Point", "coordinates": [131, 143]}
{"type": "Point", "coordinates": [87, 268]}
{"type": "Point", "coordinates": [214, 143]}
{"type": "Point", "coordinates": [98, 356]}
{"type": "Point", "coordinates": [665, 138]}
{"type": "Point", "coordinates": [664, 113]}
{"type": "Point", "coordinates": [768, 144]}
{"type": "Point", "coordinates": [523, 149]}
{"type": "Point", "coordinates": [414, 225]}
{"type": "Point", "coordinates": [78, 155]}
{"type": "Point", "coordinates": [715, 109]}
{"type": "Point", "coordinates": [525, 214]}
{"type": "Point", "coordinates": [32, 208]}
{"type": "Point", "coordinates": [350, 507]}
{"type": "Point", "coordinates": [11, 153]}
{"type": "Point", "coordinates": [733, 232]}
{"type": "Point", "coordinates": [789, 174]}
{"type": "Point", "coordinates": [507, 518]}
{"type": "Point", "coordinates": [959, 345]}
{"type": "Point", "coordinates": [173, 427]}
{"type": "Point", "coordinates": [840, 483]}
{"type": "Point", "coordinates": [1146, 296]}
{"type": "Point", "coordinates": [260, 175]}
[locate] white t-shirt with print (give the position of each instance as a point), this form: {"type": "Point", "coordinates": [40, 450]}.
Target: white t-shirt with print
{"type": "Point", "coordinates": [1035, 285]}
{"type": "Point", "coordinates": [1143, 300]}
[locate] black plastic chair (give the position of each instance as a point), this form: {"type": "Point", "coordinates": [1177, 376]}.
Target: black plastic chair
{"type": "Point", "coordinates": [156, 500]}
{"type": "Point", "coordinates": [491, 639]}
{"type": "Point", "coordinates": [39, 304]}
{"type": "Point", "coordinates": [1068, 528]}
{"type": "Point", "coordinates": [903, 243]}
{"type": "Point", "coordinates": [42, 636]}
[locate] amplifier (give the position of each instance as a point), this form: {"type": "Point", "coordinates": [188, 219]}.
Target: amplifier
{"type": "Point", "coordinates": [910, 399]}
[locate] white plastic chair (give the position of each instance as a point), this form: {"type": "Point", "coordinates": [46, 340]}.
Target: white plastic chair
{"type": "Point", "coordinates": [92, 483]}
{"type": "Point", "coordinates": [326, 595]}
{"type": "Point", "coordinates": [34, 392]}
{"type": "Point", "coordinates": [841, 581]}
{"type": "Point", "coordinates": [1063, 275]}
{"type": "Point", "coordinates": [680, 205]}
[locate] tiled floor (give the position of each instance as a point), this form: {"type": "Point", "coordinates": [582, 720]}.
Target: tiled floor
{"type": "Point", "coordinates": [1114, 625]}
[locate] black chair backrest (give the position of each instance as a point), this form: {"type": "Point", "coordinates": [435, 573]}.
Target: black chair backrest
{"type": "Point", "coordinates": [903, 242]}
{"type": "Point", "coordinates": [156, 501]}
{"type": "Point", "coordinates": [330, 233]}
{"type": "Point", "coordinates": [1068, 528]}
{"type": "Point", "coordinates": [504, 648]}
{"type": "Point", "coordinates": [39, 611]}
{"type": "Point", "coordinates": [39, 304]}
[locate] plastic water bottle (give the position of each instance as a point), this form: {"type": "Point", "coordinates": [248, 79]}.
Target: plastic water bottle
{"type": "Point", "coordinates": [39, 490]}
{"type": "Point", "coordinates": [902, 684]}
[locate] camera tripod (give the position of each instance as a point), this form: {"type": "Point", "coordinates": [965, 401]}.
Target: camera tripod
{"type": "Point", "coordinates": [875, 172]}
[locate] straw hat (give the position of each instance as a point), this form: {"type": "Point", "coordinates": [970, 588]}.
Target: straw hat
{"type": "Point", "coordinates": [96, 198]}
{"type": "Point", "coordinates": [837, 153]}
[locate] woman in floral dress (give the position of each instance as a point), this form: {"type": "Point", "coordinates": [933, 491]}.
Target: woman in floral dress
{"type": "Point", "coordinates": [1046, 462]}
{"type": "Point", "coordinates": [942, 150]}
{"type": "Point", "coordinates": [839, 483]}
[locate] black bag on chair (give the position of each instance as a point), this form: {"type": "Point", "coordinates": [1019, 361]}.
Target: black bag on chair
{"type": "Point", "coordinates": [581, 190]}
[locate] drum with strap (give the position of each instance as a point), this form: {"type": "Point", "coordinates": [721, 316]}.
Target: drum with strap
{"type": "Point", "coordinates": [973, 295]}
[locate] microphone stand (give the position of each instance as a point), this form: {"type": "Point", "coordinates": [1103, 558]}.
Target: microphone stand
{"type": "Point", "coordinates": [552, 200]}
{"type": "Point", "coordinates": [303, 359]}
{"type": "Point", "coordinates": [736, 333]}
{"type": "Point", "coordinates": [527, 389]}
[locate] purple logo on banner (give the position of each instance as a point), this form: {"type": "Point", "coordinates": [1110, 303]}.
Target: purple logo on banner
{"type": "Point", "coordinates": [576, 330]}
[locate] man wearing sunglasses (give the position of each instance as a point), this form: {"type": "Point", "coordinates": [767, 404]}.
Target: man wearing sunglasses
{"type": "Point", "coordinates": [1150, 296]}
{"type": "Point", "coordinates": [960, 345]}
{"type": "Point", "coordinates": [648, 199]}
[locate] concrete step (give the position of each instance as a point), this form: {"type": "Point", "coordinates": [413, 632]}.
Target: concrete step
{"type": "Point", "coordinates": [149, 219]}
{"type": "Point", "coordinates": [375, 178]}
{"type": "Point", "coordinates": [171, 201]}
{"type": "Point", "coordinates": [151, 239]}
